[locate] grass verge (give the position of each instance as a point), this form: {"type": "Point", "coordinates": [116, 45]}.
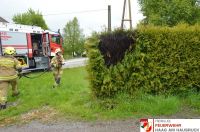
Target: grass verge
{"type": "Point", "coordinates": [38, 100]}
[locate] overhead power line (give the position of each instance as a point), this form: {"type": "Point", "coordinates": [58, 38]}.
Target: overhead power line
{"type": "Point", "coordinates": [77, 12]}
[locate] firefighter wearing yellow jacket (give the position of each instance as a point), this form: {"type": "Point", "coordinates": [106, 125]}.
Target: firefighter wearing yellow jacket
{"type": "Point", "coordinates": [8, 75]}
{"type": "Point", "coordinates": [56, 63]}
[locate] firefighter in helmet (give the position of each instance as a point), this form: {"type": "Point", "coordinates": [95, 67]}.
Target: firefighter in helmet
{"type": "Point", "coordinates": [56, 63]}
{"type": "Point", "coordinates": [9, 68]}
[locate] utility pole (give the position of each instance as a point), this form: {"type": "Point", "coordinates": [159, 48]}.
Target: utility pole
{"type": "Point", "coordinates": [123, 14]}
{"type": "Point", "coordinates": [109, 18]}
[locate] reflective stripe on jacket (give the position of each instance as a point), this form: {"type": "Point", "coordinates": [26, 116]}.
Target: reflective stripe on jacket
{"type": "Point", "coordinates": [8, 78]}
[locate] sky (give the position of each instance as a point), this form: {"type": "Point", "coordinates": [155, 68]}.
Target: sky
{"type": "Point", "coordinates": [92, 14]}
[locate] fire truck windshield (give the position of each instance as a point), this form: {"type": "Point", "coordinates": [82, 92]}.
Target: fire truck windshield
{"type": "Point", "coordinates": [55, 39]}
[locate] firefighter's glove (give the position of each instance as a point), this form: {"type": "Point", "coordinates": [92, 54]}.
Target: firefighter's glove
{"type": "Point", "coordinates": [54, 65]}
{"type": "Point", "coordinates": [19, 70]}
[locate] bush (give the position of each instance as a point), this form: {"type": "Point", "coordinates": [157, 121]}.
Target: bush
{"type": "Point", "coordinates": [114, 45]}
{"type": "Point", "coordinates": [165, 61]}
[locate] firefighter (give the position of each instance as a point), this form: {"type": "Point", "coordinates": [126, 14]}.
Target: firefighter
{"type": "Point", "coordinates": [56, 63]}
{"type": "Point", "coordinates": [8, 75]}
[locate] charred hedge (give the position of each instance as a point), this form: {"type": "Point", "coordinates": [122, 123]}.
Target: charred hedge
{"type": "Point", "coordinates": [156, 60]}
{"type": "Point", "coordinates": [114, 45]}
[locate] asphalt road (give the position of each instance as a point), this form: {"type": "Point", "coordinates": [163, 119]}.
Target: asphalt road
{"type": "Point", "coordinates": [107, 126]}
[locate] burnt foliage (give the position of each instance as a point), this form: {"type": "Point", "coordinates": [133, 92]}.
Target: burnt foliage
{"type": "Point", "coordinates": [114, 45]}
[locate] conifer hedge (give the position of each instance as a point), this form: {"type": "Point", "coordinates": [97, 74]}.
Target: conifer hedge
{"type": "Point", "coordinates": [156, 60]}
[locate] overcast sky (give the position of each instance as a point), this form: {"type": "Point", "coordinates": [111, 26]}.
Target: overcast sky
{"type": "Point", "coordinates": [92, 14]}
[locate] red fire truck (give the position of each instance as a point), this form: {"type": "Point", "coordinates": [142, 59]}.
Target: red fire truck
{"type": "Point", "coordinates": [34, 46]}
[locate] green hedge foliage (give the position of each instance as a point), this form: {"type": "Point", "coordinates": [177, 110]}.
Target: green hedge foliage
{"type": "Point", "coordinates": [165, 61]}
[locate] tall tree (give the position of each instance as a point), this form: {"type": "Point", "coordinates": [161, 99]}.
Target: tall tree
{"type": "Point", "coordinates": [30, 17]}
{"type": "Point", "coordinates": [170, 12]}
{"type": "Point", "coordinates": [73, 38]}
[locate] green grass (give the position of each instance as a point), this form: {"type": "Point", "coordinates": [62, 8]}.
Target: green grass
{"type": "Point", "coordinates": [140, 106]}
{"type": "Point", "coordinates": [73, 99]}
{"type": "Point", "coordinates": [193, 101]}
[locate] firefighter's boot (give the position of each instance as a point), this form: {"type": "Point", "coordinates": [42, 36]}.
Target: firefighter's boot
{"type": "Point", "coordinates": [2, 106]}
{"type": "Point", "coordinates": [58, 81]}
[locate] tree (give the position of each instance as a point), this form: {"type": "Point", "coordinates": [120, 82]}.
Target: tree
{"type": "Point", "coordinates": [30, 17]}
{"type": "Point", "coordinates": [73, 38]}
{"type": "Point", "coordinates": [170, 12]}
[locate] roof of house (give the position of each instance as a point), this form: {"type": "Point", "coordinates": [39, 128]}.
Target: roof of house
{"type": "Point", "coordinates": [3, 20]}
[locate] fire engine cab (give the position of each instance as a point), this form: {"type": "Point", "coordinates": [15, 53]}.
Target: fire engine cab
{"type": "Point", "coordinates": [34, 46]}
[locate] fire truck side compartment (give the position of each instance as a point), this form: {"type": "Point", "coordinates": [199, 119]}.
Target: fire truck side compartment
{"type": "Point", "coordinates": [42, 62]}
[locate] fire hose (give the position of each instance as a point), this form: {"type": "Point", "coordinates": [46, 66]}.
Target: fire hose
{"type": "Point", "coordinates": [20, 75]}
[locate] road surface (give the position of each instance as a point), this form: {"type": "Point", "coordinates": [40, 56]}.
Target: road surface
{"type": "Point", "coordinates": [75, 62]}
{"type": "Point", "coordinates": [107, 126]}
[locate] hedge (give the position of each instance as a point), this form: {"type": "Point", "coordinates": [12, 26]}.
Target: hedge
{"type": "Point", "coordinates": [164, 60]}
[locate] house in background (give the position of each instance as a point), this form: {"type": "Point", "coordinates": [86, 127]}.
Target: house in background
{"type": "Point", "coordinates": [3, 20]}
